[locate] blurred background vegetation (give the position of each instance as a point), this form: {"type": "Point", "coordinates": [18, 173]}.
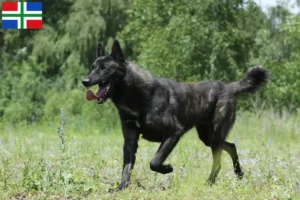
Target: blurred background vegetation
{"type": "Point", "coordinates": [185, 40]}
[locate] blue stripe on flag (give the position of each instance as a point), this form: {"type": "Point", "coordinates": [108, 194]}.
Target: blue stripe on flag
{"type": "Point", "coordinates": [34, 6]}
{"type": "Point", "coordinates": [9, 24]}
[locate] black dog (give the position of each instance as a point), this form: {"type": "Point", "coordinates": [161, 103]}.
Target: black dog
{"type": "Point", "coordinates": [162, 110]}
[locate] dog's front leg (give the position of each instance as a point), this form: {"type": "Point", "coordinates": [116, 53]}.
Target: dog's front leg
{"type": "Point", "coordinates": [164, 150]}
{"type": "Point", "coordinates": [131, 135]}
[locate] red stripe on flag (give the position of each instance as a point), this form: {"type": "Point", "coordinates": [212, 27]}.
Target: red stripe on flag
{"type": "Point", "coordinates": [34, 24]}
{"type": "Point", "coordinates": [9, 6]}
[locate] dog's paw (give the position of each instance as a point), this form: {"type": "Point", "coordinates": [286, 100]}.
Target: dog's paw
{"type": "Point", "coordinates": [210, 182]}
{"type": "Point", "coordinates": [111, 190]}
{"type": "Point", "coordinates": [163, 169]}
{"type": "Point", "coordinates": [240, 174]}
{"type": "Point", "coordinates": [166, 169]}
{"type": "Point", "coordinates": [121, 186]}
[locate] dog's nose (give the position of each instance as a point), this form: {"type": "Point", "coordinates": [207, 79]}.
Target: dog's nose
{"type": "Point", "coordinates": [86, 82]}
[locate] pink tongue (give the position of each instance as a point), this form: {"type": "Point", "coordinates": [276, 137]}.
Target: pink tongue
{"type": "Point", "coordinates": [90, 96]}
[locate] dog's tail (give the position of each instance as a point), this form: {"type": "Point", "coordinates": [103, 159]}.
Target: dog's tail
{"type": "Point", "coordinates": [255, 78]}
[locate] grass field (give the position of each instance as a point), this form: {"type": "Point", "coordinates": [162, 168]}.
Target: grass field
{"type": "Point", "coordinates": [35, 165]}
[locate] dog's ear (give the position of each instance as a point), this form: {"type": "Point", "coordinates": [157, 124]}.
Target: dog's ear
{"type": "Point", "coordinates": [100, 51]}
{"type": "Point", "coordinates": [116, 52]}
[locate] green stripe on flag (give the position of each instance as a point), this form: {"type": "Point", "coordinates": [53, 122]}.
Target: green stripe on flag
{"type": "Point", "coordinates": [22, 17]}
{"type": "Point", "coordinates": [18, 15]}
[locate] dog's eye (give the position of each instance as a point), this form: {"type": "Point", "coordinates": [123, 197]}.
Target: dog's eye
{"type": "Point", "coordinates": [102, 67]}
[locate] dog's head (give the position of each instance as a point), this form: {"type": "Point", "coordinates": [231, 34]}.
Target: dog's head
{"type": "Point", "coordinates": [106, 71]}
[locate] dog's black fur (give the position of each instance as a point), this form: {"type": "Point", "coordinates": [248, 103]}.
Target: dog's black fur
{"type": "Point", "coordinates": [162, 110]}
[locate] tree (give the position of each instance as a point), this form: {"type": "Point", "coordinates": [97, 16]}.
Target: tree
{"type": "Point", "coordinates": [192, 40]}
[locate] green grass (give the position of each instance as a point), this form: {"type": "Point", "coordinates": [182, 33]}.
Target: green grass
{"type": "Point", "coordinates": [34, 164]}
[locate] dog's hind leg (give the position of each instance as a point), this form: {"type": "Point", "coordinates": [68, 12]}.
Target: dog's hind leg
{"type": "Point", "coordinates": [162, 153]}
{"type": "Point", "coordinates": [222, 123]}
{"type": "Point", "coordinates": [231, 150]}
{"type": "Point", "coordinates": [216, 151]}
{"type": "Point", "coordinates": [204, 133]}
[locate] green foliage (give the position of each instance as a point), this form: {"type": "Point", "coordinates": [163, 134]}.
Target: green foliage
{"type": "Point", "coordinates": [194, 40]}
{"type": "Point", "coordinates": [21, 90]}
{"type": "Point", "coordinates": [278, 50]}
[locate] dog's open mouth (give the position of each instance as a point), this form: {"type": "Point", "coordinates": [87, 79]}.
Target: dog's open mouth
{"type": "Point", "coordinates": [102, 93]}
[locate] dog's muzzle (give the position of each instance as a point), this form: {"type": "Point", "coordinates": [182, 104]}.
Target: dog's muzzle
{"type": "Point", "coordinates": [86, 82]}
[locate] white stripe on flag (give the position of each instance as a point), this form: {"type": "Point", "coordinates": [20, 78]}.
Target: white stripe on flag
{"type": "Point", "coordinates": [14, 12]}
{"type": "Point", "coordinates": [30, 12]}
{"type": "Point", "coordinates": [32, 18]}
